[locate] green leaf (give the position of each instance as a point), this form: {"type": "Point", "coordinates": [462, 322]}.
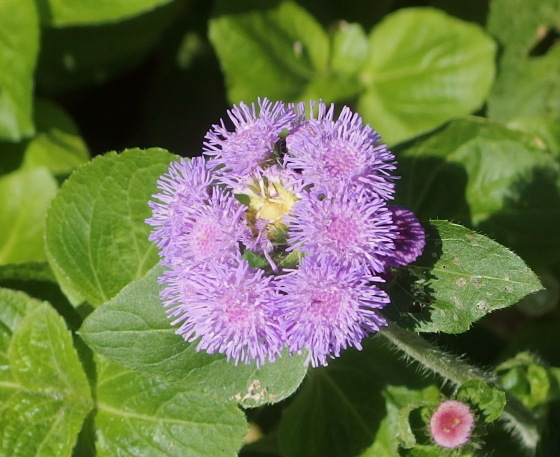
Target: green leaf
{"type": "Point", "coordinates": [63, 13]}
{"type": "Point", "coordinates": [270, 48]}
{"type": "Point", "coordinates": [24, 198]}
{"type": "Point", "coordinates": [37, 271]}
{"type": "Point", "coordinates": [77, 56]}
{"type": "Point", "coordinates": [133, 330]}
{"type": "Point", "coordinates": [53, 395]}
{"type": "Point", "coordinates": [350, 48]}
{"type": "Point", "coordinates": [424, 68]}
{"type": "Point", "coordinates": [460, 277]}
{"type": "Point", "coordinates": [527, 379]}
{"type": "Point", "coordinates": [19, 44]}
{"type": "Point", "coordinates": [157, 419]}
{"type": "Point", "coordinates": [479, 172]}
{"type": "Point", "coordinates": [13, 307]}
{"type": "Point", "coordinates": [390, 432]}
{"type": "Point", "coordinates": [546, 128]}
{"type": "Point", "coordinates": [489, 400]}
{"type": "Point", "coordinates": [497, 163]}
{"type": "Point", "coordinates": [531, 90]}
{"type": "Point", "coordinates": [96, 238]}
{"type": "Point", "coordinates": [351, 404]}
{"type": "Point", "coordinates": [57, 144]}
{"type": "Point", "coordinates": [519, 26]}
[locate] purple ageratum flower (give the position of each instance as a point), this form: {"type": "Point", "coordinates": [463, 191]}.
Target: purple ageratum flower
{"type": "Point", "coordinates": [331, 153]}
{"type": "Point", "coordinates": [228, 308]}
{"type": "Point", "coordinates": [351, 228]}
{"type": "Point", "coordinates": [210, 231]}
{"type": "Point", "coordinates": [251, 144]}
{"type": "Point", "coordinates": [186, 183]}
{"type": "Point", "coordinates": [327, 306]}
{"type": "Point", "coordinates": [410, 240]}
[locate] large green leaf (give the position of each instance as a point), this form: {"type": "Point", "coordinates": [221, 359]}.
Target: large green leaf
{"type": "Point", "coordinates": [13, 306]}
{"type": "Point", "coordinates": [19, 43]}
{"type": "Point", "coordinates": [157, 419]}
{"type": "Point", "coordinates": [77, 56]}
{"type": "Point", "coordinates": [481, 173]}
{"type": "Point", "coordinates": [24, 199]}
{"type": "Point", "coordinates": [96, 238]}
{"type": "Point", "coordinates": [460, 277]}
{"type": "Point", "coordinates": [44, 415]}
{"type": "Point", "coordinates": [132, 330]}
{"type": "Point", "coordinates": [346, 407]}
{"type": "Point", "coordinates": [63, 13]}
{"type": "Point", "coordinates": [424, 68]}
{"type": "Point", "coordinates": [269, 49]}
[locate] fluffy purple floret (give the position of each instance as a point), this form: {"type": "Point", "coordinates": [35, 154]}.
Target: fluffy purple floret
{"type": "Point", "coordinates": [410, 239]}
{"type": "Point", "coordinates": [327, 307]}
{"type": "Point", "coordinates": [185, 184]}
{"type": "Point", "coordinates": [331, 153]}
{"type": "Point", "coordinates": [228, 308]}
{"type": "Point", "coordinates": [210, 231]}
{"type": "Point", "coordinates": [351, 228]}
{"type": "Point", "coordinates": [251, 144]}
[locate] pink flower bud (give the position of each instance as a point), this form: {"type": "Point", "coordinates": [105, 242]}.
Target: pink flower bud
{"type": "Point", "coordinates": [451, 424]}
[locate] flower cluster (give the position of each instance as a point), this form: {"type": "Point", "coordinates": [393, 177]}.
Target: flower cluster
{"type": "Point", "coordinates": [279, 236]}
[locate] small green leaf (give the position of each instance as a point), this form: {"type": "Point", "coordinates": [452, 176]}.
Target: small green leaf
{"type": "Point", "coordinates": [274, 49]}
{"type": "Point", "coordinates": [398, 398]}
{"type": "Point", "coordinates": [53, 395]}
{"type": "Point", "coordinates": [96, 238]}
{"type": "Point", "coordinates": [341, 409]}
{"type": "Point", "coordinates": [424, 68]}
{"type": "Point", "coordinates": [63, 13]}
{"type": "Point", "coordinates": [24, 198]}
{"type": "Point", "coordinates": [157, 419]}
{"type": "Point", "coordinates": [133, 330]}
{"type": "Point", "coordinates": [528, 380]}
{"type": "Point", "coordinates": [489, 400]}
{"type": "Point", "coordinates": [19, 44]}
{"type": "Point", "coordinates": [461, 277]}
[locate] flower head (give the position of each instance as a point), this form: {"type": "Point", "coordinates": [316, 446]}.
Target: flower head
{"type": "Point", "coordinates": [227, 308]}
{"type": "Point", "coordinates": [331, 153]}
{"type": "Point", "coordinates": [327, 307]}
{"type": "Point", "coordinates": [185, 184]}
{"type": "Point", "coordinates": [309, 209]}
{"type": "Point", "coordinates": [251, 144]}
{"type": "Point", "coordinates": [410, 239]}
{"type": "Point", "coordinates": [351, 228]}
{"type": "Point", "coordinates": [451, 424]}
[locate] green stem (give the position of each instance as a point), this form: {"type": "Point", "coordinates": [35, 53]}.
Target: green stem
{"type": "Point", "coordinates": [517, 417]}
